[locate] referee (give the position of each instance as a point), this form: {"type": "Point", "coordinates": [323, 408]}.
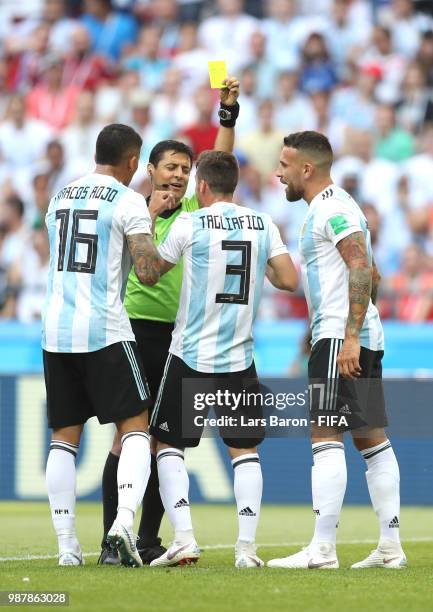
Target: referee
{"type": "Point", "coordinates": [152, 312]}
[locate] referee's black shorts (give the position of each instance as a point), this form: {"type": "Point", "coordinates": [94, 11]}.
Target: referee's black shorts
{"type": "Point", "coordinates": [173, 419]}
{"type": "Point", "coordinates": [109, 384]}
{"type": "Point", "coordinates": [153, 341]}
{"type": "Point", "coordinates": [346, 404]}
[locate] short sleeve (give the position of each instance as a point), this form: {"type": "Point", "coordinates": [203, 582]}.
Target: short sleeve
{"type": "Point", "coordinates": [340, 221]}
{"type": "Point", "coordinates": [135, 216]}
{"type": "Point", "coordinates": [173, 246]}
{"type": "Point", "coordinates": [276, 245]}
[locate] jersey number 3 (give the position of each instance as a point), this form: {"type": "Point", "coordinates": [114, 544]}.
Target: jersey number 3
{"type": "Point", "coordinates": [242, 270]}
{"type": "Point", "coordinates": [90, 240]}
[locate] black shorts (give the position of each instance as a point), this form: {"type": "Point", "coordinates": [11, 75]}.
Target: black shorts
{"type": "Point", "coordinates": [345, 404]}
{"type": "Point", "coordinates": [109, 383]}
{"type": "Point", "coordinates": [153, 341]}
{"type": "Point", "coordinates": [174, 417]}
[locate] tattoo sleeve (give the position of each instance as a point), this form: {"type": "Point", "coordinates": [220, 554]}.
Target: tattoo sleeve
{"type": "Point", "coordinates": [353, 250]}
{"type": "Point", "coordinates": [145, 257]}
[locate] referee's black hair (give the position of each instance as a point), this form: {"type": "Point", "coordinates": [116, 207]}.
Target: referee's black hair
{"type": "Point", "coordinates": [115, 142]}
{"type": "Point", "coordinates": [157, 153]}
{"type": "Point", "coordinates": [313, 143]}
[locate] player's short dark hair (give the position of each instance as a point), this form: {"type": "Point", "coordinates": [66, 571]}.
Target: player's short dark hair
{"type": "Point", "coordinates": [219, 169]}
{"type": "Point", "coordinates": [312, 143]}
{"type": "Point", "coordinates": [115, 142]}
{"type": "Point", "coordinates": [157, 153]}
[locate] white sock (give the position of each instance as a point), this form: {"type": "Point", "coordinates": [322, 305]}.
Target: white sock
{"type": "Point", "coordinates": [383, 480]}
{"type": "Point", "coordinates": [248, 486]}
{"type": "Point", "coordinates": [61, 482]}
{"type": "Point", "coordinates": [328, 482]}
{"type": "Point", "coordinates": [132, 475]}
{"type": "Point", "coordinates": [174, 489]}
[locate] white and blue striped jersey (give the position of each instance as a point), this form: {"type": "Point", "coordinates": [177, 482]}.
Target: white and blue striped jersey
{"type": "Point", "coordinates": [88, 222]}
{"type": "Point", "coordinates": [225, 249]}
{"type": "Point", "coordinates": [332, 215]}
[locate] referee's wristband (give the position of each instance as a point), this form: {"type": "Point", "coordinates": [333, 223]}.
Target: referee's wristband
{"type": "Point", "coordinates": [228, 114]}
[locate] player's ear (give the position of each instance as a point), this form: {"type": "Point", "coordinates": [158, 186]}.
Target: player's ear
{"type": "Point", "coordinates": [133, 162]}
{"type": "Point", "coordinates": [308, 170]}
{"type": "Point", "coordinates": [202, 186]}
{"type": "Point", "coordinates": [150, 170]}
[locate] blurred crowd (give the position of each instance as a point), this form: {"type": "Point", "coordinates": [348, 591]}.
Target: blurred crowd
{"type": "Point", "coordinates": [361, 71]}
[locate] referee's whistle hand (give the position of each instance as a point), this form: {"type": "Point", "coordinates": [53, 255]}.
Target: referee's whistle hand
{"type": "Point", "coordinates": [230, 92]}
{"type": "Point", "coordinates": [161, 201]}
{"type": "Point", "coordinates": [348, 359]}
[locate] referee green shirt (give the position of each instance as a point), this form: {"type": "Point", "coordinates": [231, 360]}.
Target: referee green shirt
{"type": "Point", "coordinates": [160, 302]}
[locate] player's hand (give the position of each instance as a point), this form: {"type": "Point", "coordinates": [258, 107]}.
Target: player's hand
{"type": "Point", "coordinates": [230, 93]}
{"type": "Point", "coordinates": [348, 358]}
{"type": "Point", "coordinates": [161, 201]}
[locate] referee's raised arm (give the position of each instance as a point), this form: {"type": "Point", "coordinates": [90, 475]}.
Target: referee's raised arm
{"type": "Point", "coordinates": [228, 113]}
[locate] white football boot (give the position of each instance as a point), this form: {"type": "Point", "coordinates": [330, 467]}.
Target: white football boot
{"type": "Point", "coordinates": [321, 555]}
{"type": "Point", "coordinates": [178, 554]}
{"type": "Point", "coordinates": [388, 555]}
{"type": "Point", "coordinates": [245, 555]}
{"type": "Point", "coordinates": [122, 539]}
{"type": "Point", "coordinates": [71, 557]}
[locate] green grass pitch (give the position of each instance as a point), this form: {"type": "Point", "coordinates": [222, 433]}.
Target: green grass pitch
{"type": "Point", "coordinates": [214, 583]}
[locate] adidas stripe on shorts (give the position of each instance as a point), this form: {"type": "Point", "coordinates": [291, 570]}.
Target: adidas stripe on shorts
{"type": "Point", "coordinates": [109, 384]}
{"type": "Point", "coordinates": [357, 403]}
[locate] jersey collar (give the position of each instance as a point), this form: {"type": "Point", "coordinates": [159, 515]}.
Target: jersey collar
{"type": "Point", "coordinates": [329, 191]}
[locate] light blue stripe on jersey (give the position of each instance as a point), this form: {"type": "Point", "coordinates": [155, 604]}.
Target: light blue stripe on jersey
{"type": "Point", "coordinates": [263, 245]}
{"type": "Point", "coordinates": [229, 312]}
{"type": "Point", "coordinates": [197, 304]}
{"type": "Point", "coordinates": [66, 317]}
{"type": "Point", "coordinates": [313, 274]}
{"type": "Point", "coordinates": [98, 299]}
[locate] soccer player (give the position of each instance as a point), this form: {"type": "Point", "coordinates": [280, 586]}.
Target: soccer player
{"type": "Point", "coordinates": [152, 312]}
{"type": "Point", "coordinates": [345, 368]}
{"type": "Point", "coordinates": [227, 250]}
{"type": "Point", "coordinates": [91, 363]}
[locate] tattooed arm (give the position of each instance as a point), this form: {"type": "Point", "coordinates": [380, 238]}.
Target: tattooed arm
{"type": "Point", "coordinates": [375, 282]}
{"type": "Point", "coordinates": [353, 250]}
{"type": "Point", "coordinates": [148, 264]}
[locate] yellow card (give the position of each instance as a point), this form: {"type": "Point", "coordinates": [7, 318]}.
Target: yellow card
{"type": "Point", "coordinates": [217, 74]}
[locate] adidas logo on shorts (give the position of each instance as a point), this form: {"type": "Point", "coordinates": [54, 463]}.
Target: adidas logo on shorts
{"type": "Point", "coordinates": [182, 502]}
{"type": "Point", "coordinates": [394, 522]}
{"type": "Point", "coordinates": [247, 512]}
{"type": "Point", "coordinates": [164, 426]}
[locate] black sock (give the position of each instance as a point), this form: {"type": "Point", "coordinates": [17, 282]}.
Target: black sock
{"type": "Point", "coordinates": [109, 492]}
{"type": "Point", "coordinates": [153, 510]}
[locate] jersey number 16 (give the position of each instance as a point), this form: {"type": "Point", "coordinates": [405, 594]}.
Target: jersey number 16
{"type": "Point", "coordinates": [90, 240]}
